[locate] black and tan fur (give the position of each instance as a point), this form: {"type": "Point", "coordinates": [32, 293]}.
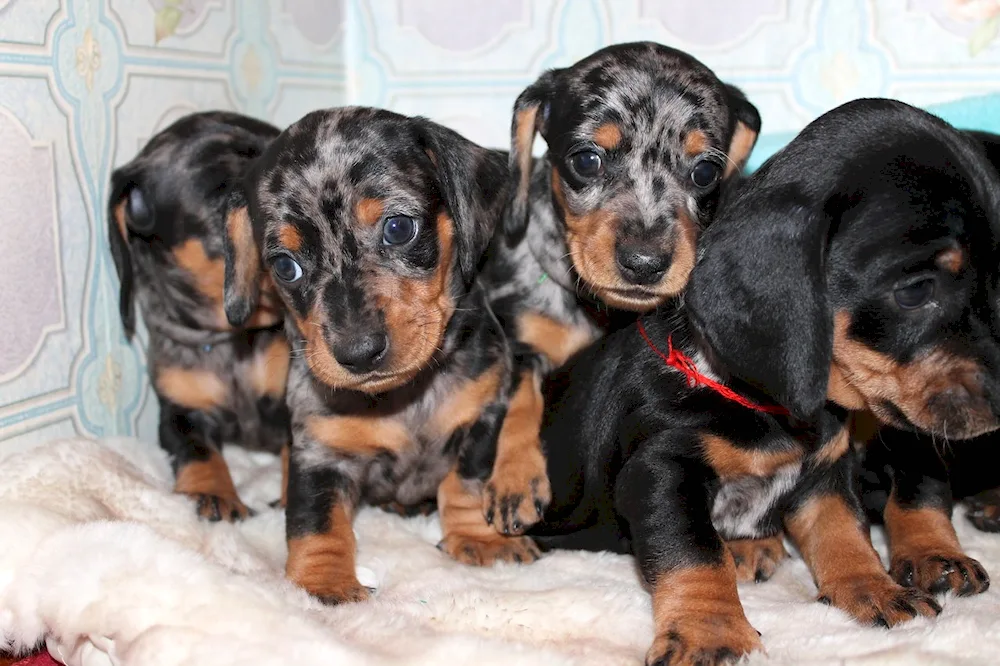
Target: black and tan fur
{"type": "Point", "coordinates": [398, 362]}
{"type": "Point", "coordinates": [911, 479]}
{"type": "Point", "coordinates": [810, 293]}
{"type": "Point", "coordinates": [217, 384]}
{"type": "Point", "coordinates": [581, 254]}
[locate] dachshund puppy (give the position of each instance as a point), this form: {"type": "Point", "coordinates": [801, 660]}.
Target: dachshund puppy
{"type": "Point", "coordinates": [855, 269]}
{"type": "Point", "coordinates": [910, 480]}
{"type": "Point", "coordinates": [641, 140]}
{"type": "Point", "coordinates": [216, 383]}
{"type": "Point", "coordinates": [372, 225]}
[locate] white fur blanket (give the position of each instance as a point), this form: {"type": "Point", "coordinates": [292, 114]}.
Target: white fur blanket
{"type": "Point", "coordinates": [101, 560]}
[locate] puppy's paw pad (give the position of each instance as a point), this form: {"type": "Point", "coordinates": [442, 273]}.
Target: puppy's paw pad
{"type": "Point", "coordinates": [515, 498]}
{"type": "Point", "coordinates": [984, 510]}
{"type": "Point", "coordinates": [714, 641]}
{"type": "Point", "coordinates": [936, 573]}
{"type": "Point", "coordinates": [879, 601]}
{"type": "Point", "coordinates": [215, 508]}
{"type": "Point", "coordinates": [756, 560]}
{"type": "Point", "coordinates": [485, 551]}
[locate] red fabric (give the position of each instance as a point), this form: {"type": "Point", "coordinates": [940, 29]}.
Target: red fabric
{"type": "Point", "coordinates": [43, 658]}
{"type": "Point", "coordinates": [677, 360]}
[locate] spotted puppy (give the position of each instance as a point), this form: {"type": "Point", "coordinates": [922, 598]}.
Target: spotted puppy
{"type": "Point", "coordinates": [854, 270]}
{"type": "Point", "coordinates": [372, 225]}
{"type": "Point", "coordinates": [216, 383]}
{"type": "Point", "coordinates": [641, 140]}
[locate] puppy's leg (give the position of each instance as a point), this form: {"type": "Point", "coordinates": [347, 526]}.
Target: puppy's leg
{"type": "Point", "coordinates": [321, 544]}
{"type": "Point", "coordinates": [697, 614]}
{"type": "Point", "coordinates": [200, 471]}
{"type": "Point", "coordinates": [827, 524]}
{"type": "Point", "coordinates": [467, 536]}
{"type": "Point", "coordinates": [756, 560]}
{"type": "Point", "coordinates": [923, 547]}
{"type": "Point", "coordinates": [517, 492]}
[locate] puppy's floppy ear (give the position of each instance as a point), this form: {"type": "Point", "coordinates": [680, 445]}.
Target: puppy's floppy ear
{"type": "Point", "coordinates": [745, 129]}
{"type": "Point", "coordinates": [242, 254]}
{"type": "Point", "coordinates": [531, 115]}
{"type": "Point", "coordinates": [758, 295]}
{"type": "Point", "coordinates": [128, 211]}
{"type": "Point", "coordinates": [473, 182]}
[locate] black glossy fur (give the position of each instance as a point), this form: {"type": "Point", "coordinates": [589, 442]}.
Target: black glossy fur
{"type": "Point", "coordinates": [794, 302]}
{"type": "Point", "coordinates": [216, 384]}
{"type": "Point", "coordinates": [927, 473]}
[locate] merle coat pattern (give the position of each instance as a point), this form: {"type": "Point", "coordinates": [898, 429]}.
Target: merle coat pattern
{"type": "Point", "coordinates": [372, 225]}
{"type": "Point", "coordinates": [642, 140]}
{"type": "Point", "coordinates": [216, 383]}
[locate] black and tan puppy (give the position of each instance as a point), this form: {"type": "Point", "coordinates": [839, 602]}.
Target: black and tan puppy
{"type": "Point", "coordinates": [910, 481]}
{"type": "Point", "coordinates": [216, 384]}
{"type": "Point", "coordinates": [641, 139]}
{"type": "Point", "coordinates": [372, 225]}
{"type": "Point", "coordinates": [854, 270]}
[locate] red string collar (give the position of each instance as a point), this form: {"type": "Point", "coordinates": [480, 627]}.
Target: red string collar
{"type": "Point", "coordinates": [677, 360]}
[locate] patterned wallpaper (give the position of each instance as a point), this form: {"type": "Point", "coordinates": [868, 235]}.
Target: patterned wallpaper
{"type": "Point", "coordinates": [83, 83]}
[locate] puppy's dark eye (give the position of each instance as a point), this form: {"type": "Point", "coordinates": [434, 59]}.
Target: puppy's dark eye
{"type": "Point", "coordinates": [399, 230]}
{"type": "Point", "coordinates": [586, 164]}
{"type": "Point", "coordinates": [705, 173]}
{"type": "Point", "coordinates": [915, 295]}
{"type": "Point", "coordinates": [140, 216]}
{"type": "Point", "coordinates": [287, 269]}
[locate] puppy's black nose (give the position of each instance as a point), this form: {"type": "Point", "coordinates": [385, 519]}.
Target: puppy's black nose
{"type": "Point", "coordinates": [361, 353]}
{"type": "Point", "coordinates": [641, 265]}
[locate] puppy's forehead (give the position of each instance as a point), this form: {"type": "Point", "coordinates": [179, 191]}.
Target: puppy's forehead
{"type": "Point", "coordinates": [340, 155]}
{"type": "Point", "coordinates": [647, 88]}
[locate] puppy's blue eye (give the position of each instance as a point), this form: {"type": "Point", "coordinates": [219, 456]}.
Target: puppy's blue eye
{"type": "Point", "coordinates": [914, 295]}
{"type": "Point", "coordinates": [287, 269]}
{"type": "Point", "coordinates": [586, 164]}
{"type": "Point", "coordinates": [705, 173]}
{"type": "Point", "coordinates": [399, 230]}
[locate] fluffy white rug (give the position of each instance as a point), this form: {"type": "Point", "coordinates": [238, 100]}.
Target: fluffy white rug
{"type": "Point", "coordinates": [99, 558]}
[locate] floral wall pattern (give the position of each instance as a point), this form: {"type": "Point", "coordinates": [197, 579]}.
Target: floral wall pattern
{"type": "Point", "coordinates": [84, 83]}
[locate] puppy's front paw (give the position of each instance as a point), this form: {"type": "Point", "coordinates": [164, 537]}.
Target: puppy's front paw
{"type": "Point", "coordinates": [424, 508]}
{"type": "Point", "coordinates": [215, 507]}
{"type": "Point", "coordinates": [756, 560]}
{"type": "Point", "coordinates": [486, 549]}
{"type": "Point", "coordinates": [936, 573]}
{"type": "Point", "coordinates": [712, 640]}
{"type": "Point", "coordinates": [984, 510]}
{"type": "Point", "coordinates": [516, 495]}
{"type": "Point", "coordinates": [343, 592]}
{"type": "Point", "coordinates": [878, 600]}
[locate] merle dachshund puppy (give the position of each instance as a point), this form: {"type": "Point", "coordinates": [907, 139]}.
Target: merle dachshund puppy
{"type": "Point", "coordinates": [216, 383]}
{"type": "Point", "coordinates": [856, 269]}
{"type": "Point", "coordinates": [372, 225]}
{"type": "Point", "coordinates": [642, 141]}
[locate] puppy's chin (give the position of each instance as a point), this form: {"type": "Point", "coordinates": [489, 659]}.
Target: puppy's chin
{"type": "Point", "coordinates": [377, 383]}
{"type": "Point", "coordinates": [940, 418]}
{"type": "Point", "coordinates": [632, 299]}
